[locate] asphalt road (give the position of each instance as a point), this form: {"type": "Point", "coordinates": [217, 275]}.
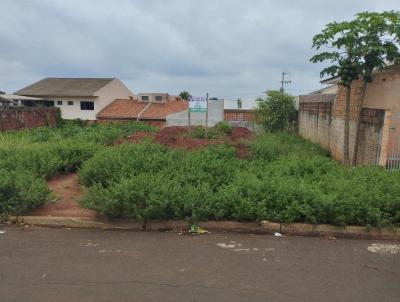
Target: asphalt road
{"type": "Point", "coordinates": [38, 264]}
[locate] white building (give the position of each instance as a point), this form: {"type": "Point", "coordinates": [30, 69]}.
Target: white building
{"type": "Point", "coordinates": [81, 98]}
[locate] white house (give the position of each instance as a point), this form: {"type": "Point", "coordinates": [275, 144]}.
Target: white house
{"type": "Point", "coordinates": [81, 98]}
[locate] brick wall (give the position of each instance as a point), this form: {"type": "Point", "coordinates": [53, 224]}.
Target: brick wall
{"type": "Point", "coordinates": [237, 115]}
{"type": "Point", "coordinates": [27, 118]}
{"type": "Point", "coordinates": [321, 120]}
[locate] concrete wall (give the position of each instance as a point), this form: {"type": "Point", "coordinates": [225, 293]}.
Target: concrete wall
{"type": "Point", "coordinates": [104, 96]}
{"type": "Point", "coordinates": [315, 118]}
{"type": "Point", "coordinates": [215, 115]}
{"type": "Point", "coordinates": [321, 120]}
{"type": "Point", "coordinates": [27, 118]}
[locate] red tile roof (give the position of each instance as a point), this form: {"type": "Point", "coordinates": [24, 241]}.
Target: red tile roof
{"type": "Point", "coordinates": [122, 109]}
{"type": "Point", "coordinates": [130, 109]}
{"type": "Point", "coordinates": [161, 110]}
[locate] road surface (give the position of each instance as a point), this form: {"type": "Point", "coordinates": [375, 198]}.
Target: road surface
{"type": "Point", "coordinates": [39, 264]}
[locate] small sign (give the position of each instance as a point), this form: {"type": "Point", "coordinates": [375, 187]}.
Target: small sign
{"type": "Point", "coordinates": [197, 104]}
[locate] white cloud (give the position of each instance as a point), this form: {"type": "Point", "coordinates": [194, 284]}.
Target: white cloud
{"type": "Point", "coordinates": [226, 47]}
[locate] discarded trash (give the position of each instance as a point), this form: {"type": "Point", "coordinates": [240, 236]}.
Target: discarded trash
{"type": "Point", "coordinates": [278, 234]}
{"type": "Point", "coordinates": [194, 229]}
{"type": "Point", "coordinates": [228, 246]}
{"type": "Point", "coordinates": [2, 232]}
{"type": "Point", "coordinates": [331, 238]}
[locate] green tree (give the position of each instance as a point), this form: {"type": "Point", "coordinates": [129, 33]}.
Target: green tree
{"type": "Point", "coordinates": [378, 37]}
{"type": "Point", "coordinates": [185, 95]}
{"type": "Point", "coordinates": [356, 48]}
{"type": "Point", "coordinates": [276, 111]}
{"type": "Point", "coordinates": [339, 40]}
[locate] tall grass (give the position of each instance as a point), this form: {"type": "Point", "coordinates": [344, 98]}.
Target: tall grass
{"type": "Point", "coordinates": [29, 157]}
{"type": "Point", "coordinates": [286, 179]}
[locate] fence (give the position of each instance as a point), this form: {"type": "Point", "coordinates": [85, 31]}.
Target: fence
{"type": "Point", "coordinates": [393, 152]}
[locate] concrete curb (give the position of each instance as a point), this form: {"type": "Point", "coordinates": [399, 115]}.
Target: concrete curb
{"type": "Point", "coordinates": [265, 227]}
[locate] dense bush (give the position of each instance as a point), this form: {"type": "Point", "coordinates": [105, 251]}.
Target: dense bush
{"type": "Point", "coordinates": [29, 157]}
{"type": "Point", "coordinates": [277, 111]}
{"type": "Point", "coordinates": [285, 179]}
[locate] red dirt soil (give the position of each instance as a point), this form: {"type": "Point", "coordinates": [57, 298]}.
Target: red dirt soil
{"type": "Point", "coordinates": [66, 190]}
{"type": "Point", "coordinates": [176, 137]}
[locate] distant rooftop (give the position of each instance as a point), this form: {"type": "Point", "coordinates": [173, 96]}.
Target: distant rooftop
{"type": "Point", "coordinates": [132, 109]}
{"type": "Point", "coordinates": [16, 97]}
{"type": "Point", "coordinates": [65, 87]}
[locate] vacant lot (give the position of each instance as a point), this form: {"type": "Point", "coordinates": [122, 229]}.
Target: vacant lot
{"type": "Point", "coordinates": [130, 171]}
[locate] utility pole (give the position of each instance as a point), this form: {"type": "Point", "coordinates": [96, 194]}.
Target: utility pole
{"type": "Point", "coordinates": [207, 116]}
{"type": "Point", "coordinates": [284, 82]}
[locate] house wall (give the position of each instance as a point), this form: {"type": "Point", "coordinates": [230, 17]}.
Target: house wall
{"type": "Point", "coordinates": [152, 97]}
{"type": "Point", "coordinates": [27, 118]}
{"type": "Point", "coordinates": [104, 96]}
{"type": "Point", "coordinates": [70, 112]}
{"type": "Point", "coordinates": [215, 115]}
{"type": "Point", "coordinates": [383, 93]}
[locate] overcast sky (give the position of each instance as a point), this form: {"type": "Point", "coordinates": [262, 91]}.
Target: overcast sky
{"type": "Point", "coordinates": [229, 48]}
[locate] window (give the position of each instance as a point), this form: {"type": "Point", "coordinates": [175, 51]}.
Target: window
{"type": "Point", "coordinates": [145, 97]}
{"type": "Point", "coordinates": [59, 103]}
{"type": "Point", "coordinates": [158, 98]}
{"type": "Point", "coordinates": [70, 103]}
{"type": "Point", "coordinates": [87, 105]}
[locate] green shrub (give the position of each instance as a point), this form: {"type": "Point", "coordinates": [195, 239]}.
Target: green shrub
{"type": "Point", "coordinates": [198, 132]}
{"type": "Point", "coordinates": [31, 156]}
{"type": "Point", "coordinates": [285, 179]}
{"type": "Point", "coordinates": [20, 192]}
{"type": "Point", "coordinates": [223, 127]}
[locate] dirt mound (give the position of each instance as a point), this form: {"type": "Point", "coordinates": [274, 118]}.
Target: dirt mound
{"type": "Point", "coordinates": [239, 133]}
{"type": "Point", "coordinates": [172, 131]}
{"type": "Point", "coordinates": [178, 137]}
{"type": "Point", "coordinates": [139, 136]}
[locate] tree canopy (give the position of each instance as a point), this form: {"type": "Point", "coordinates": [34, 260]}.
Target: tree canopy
{"type": "Point", "coordinates": [185, 95]}
{"type": "Point", "coordinates": [276, 111]}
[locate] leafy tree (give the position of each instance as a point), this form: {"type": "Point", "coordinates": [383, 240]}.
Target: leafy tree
{"type": "Point", "coordinates": [355, 48]}
{"type": "Point", "coordinates": [277, 111]}
{"type": "Point", "coordinates": [378, 36]}
{"type": "Point", "coordinates": [185, 95]}
{"type": "Point", "coordinates": [339, 40]}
